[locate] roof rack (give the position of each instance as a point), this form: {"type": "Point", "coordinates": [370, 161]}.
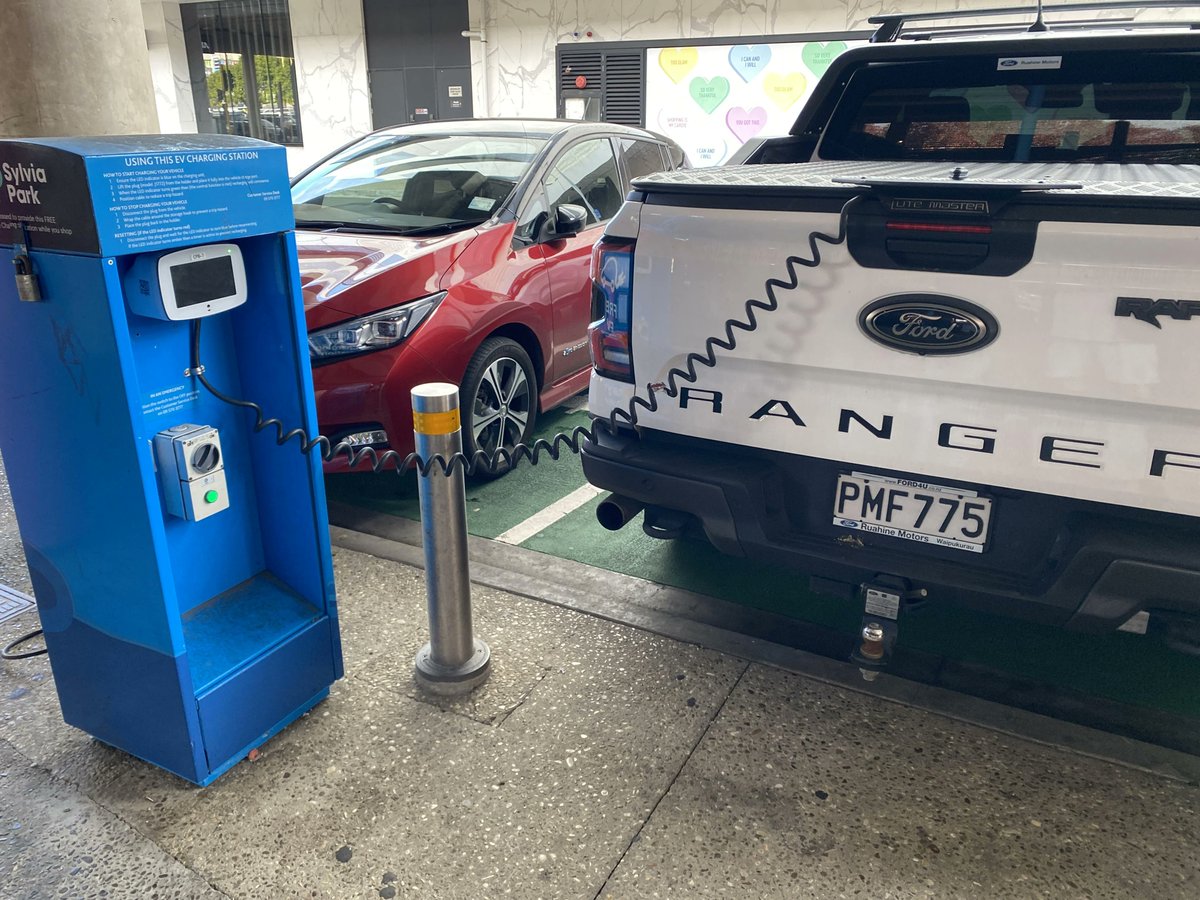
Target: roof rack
{"type": "Point", "coordinates": [890, 26]}
{"type": "Point", "coordinates": [985, 29]}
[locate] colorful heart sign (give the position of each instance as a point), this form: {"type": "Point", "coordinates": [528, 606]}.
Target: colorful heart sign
{"type": "Point", "coordinates": [677, 62]}
{"type": "Point", "coordinates": [746, 123]}
{"type": "Point", "coordinates": [709, 93]}
{"type": "Point", "coordinates": [818, 56]}
{"type": "Point", "coordinates": [708, 153]}
{"type": "Point", "coordinates": [749, 60]}
{"type": "Point", "coordinates": [672, 120]}
{"type": "Point", "coordinates": [784, 90]}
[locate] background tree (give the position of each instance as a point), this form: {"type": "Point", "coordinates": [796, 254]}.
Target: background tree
{"type": "Point", "coordinates": [274, 77]}
{"type": "Point", "coordinates": [227, 84]}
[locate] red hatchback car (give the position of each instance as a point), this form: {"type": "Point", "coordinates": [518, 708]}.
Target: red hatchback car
{"type": "Point", "coordinates": [458, 252]}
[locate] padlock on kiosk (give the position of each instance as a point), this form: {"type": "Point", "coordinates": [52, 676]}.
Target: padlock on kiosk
{"type": "Point", "coordinates": [180, 561]}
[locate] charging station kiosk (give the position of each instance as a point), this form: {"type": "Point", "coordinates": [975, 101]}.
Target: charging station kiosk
{"type": "Point", "coordinates": [180, 561]}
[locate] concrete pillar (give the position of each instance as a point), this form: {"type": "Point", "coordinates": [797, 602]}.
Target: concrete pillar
{"type": "Point", "coordinates": [74, 67]}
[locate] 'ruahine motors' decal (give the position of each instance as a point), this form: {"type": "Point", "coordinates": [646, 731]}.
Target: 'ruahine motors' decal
{"type": "Point", "coordinates": [1021, 63]}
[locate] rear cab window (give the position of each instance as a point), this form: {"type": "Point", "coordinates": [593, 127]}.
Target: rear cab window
{"type": "Point", "coordinates": [1083, 107]}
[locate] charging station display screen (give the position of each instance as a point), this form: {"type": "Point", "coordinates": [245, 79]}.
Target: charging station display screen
{"type": "Point", "coordinates": [203, 281]}
{"type": "Point", "coordinates": [191, 283]}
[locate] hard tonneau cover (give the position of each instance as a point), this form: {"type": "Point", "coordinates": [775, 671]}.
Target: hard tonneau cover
{"type": "Point", "coordinates": [1166, 185]}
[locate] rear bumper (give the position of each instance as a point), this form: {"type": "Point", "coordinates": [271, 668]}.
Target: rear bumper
{"type": "Point", "coordinates": [1089, 566]}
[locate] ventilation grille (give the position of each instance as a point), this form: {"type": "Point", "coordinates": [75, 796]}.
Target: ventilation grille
{"type": "Point", "coordinates": [618, 76]}
{"type": "Point", "coordinates": [588, 63]}
{"type": "Point", "coordinates": [623, 94]}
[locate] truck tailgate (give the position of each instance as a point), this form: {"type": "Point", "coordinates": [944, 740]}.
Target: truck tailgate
{"type": "Point", "coordinates": [1068, 399]}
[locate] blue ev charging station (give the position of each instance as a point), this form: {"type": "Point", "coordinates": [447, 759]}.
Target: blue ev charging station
{"type": "Point", "coordinates": [180, 561]}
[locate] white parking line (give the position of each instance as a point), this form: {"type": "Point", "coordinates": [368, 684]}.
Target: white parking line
{"type": "Point", "coordinates": [538, 521]}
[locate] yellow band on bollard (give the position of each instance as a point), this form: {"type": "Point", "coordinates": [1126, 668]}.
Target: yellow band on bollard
{"type": "Point", "coordinates": [436, 422]}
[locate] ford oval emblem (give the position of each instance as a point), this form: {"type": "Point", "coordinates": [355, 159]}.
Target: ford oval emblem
{"type": "Point", "coordinates": [929, 324]}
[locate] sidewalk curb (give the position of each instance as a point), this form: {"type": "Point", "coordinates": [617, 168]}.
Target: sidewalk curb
{"type": "Point", "coordinates": [685, 616]}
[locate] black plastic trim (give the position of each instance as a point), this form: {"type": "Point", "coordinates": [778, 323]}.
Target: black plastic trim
{"type": "Point", "coordinates": [1047, 557]}
{"type": "Point", "coordinates": [1031, 207]}
{"type": "Point", "coordinates": [1005, 250]}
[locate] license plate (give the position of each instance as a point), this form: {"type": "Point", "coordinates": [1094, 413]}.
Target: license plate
{"type": "Point", "coordinates": [913, 510]}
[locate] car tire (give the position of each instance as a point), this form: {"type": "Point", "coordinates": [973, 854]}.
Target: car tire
{"type": "Point", "coordinates": [499, 401]}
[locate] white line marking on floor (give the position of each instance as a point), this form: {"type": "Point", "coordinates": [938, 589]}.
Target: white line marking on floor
{"type": "Point", "coordinates": [518, 534]}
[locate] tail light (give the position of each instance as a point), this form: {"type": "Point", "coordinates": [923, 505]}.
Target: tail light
{"type": "Point", "coordinates": [939, 228]}
{"type": "Point", "coordinates": [974, 234]}
{"type": "Point", "coordinates": [609, 335]}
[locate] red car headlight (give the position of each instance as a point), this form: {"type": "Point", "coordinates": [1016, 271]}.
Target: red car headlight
{"type": "Point", "coordinates": [374, 332]}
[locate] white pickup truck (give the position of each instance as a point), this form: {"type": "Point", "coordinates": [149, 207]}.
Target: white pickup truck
{"type": "Point", "coordinates": [988, 390]}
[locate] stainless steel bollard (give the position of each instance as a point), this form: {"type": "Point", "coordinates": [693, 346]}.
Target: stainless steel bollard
{"type": "Point", "coordinates": [454, 661]}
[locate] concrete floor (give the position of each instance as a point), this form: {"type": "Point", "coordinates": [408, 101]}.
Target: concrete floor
{"type": "Point", "coordinates": [599, 761]}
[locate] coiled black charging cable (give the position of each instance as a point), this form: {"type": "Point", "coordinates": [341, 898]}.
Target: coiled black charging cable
{"type": "Point", "coordinates": [7, 652]}
{"type": "Point", "coordinates": [570, 440]}
{"type": "Point", "coordinates": [482, 460]}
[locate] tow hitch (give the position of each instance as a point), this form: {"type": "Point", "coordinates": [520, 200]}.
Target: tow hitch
{"type": "Point", "coordinates": [872, 650]}
{"type": "Point", "coordinates": [882, 602]}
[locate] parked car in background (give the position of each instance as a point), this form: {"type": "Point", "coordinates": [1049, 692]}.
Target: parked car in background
{"type": "Point", "coordinates": [458, 251]}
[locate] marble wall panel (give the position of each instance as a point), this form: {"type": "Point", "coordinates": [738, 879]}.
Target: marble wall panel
{"type": "Point", "coordinates": [181, 77]}
{"type": "Point", "coordinates": [715, 18]}
{"type": "Point", "coordinates": [168, 67]}
{"type": "Point", "coordinates": [162, 75]}
{"type": "Point", "coordinates": [331, 75]}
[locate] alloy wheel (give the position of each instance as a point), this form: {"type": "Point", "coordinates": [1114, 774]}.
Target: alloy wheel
{"type": "Point", "coordinates": [501, 405]}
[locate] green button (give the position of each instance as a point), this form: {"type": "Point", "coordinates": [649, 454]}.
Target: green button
{"type": "Point", "coordinates": [211, 496]}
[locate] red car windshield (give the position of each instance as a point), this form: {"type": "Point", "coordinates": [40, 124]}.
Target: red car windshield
{"type": "Point", "coordinates": [411, 184]}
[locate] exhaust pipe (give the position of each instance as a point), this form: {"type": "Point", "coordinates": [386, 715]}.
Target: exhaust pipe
{"type": "Point", "coordinates": [615, 511]}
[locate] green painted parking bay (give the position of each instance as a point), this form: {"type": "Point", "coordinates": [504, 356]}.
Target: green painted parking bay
{"type": "Point", "coordinates": [549, 508]}
{"type": "Point", "coordinates": [493, 506]}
